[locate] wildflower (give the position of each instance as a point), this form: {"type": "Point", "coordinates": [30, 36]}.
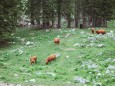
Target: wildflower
{"type": "Point", "coordinates": [80, 80]}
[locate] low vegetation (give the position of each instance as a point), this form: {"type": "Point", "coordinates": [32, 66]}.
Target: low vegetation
{"type": "Point", "coordinates": [85, 58]}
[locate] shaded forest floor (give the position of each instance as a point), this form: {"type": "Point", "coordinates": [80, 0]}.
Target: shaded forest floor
{"type": "Point", "coordinates": [85, 58]}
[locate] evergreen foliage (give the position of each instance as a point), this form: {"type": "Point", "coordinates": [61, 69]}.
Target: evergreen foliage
{"type": "Point", "coordinates": [8, 17]}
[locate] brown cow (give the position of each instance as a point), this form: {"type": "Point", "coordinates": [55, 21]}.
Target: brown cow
{"type": "Point", "coordinates": [33, 59]}
{"type": "Point", "coordinates": [93, 30]}
{"type": "Point", "coordinates": [57, 40]}
{"type": "Point", "coordinates": [101, 31]}
{"type": "Point", "coordinates": [50, 58]}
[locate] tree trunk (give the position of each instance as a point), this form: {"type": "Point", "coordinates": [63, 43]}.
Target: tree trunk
{"type": "Point", "coordinates": [69, 23]}
{"type": "Point", "coordinates": [59, 14]}
{"type": "Point", "coordinates": [32, 12]}
{"type": "Point", "coordinates": [76, 14]}
{"type": "Point", "coordinates": [47, 24]}
{"type": "Point", "coordinates": [52, 19]}
{"type": "Point", "coordinates": [98, 22]}
{"type": "Point", "coordinates": [90, 21]}
{"type": "Point", "coordinates": [52, 24]}
{"type": "Point", "coordinates": [44, 25]}
{"type": "Point", "coordinates": [38, 21]}
{"type": "Point", "coordinates": [69, 20]}
{"type": "Point", "coordinates": [105, 22]}
{"type": "Point", "coordinates": [84, 21]}
{"type": "Point", "coordinates": [102, 23]}
{"type": "Point", "coordinates": [93, 20]}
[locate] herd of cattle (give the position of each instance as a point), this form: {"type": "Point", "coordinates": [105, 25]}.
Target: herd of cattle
{"type": "Point", "coordinates": [33, 59]}
{"type": "Point", "coordinates": [52, 57]}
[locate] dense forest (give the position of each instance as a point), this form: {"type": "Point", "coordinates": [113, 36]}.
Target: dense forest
{"type": "Point", "coordinates": [51, 13]}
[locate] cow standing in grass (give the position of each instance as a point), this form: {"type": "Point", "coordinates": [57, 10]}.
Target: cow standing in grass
{"type": "Point", "coordinates": [101, 31]}
{"type": "Point", "coordinates": [93, 30]}
{"type": "Point", "coordinates": [33, 59]}
{"type": "Point", "coordinates": [57, 40]}
{"type": "Point", "coordinates": [52, 57]}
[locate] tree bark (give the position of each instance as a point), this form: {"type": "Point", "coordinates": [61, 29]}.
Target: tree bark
{"type": "Point", "coordinates": [32, 12]}
{"type": "Point", "coordinates": [69, 20]}
{"type": "Point", "coordinates": [84, 21]}
{"type": "Point", "coordinates": [52, 19]}
{"type": "Point", "coordinates": [105, 22]}
{"type": "Point", "coordinates": [59, 14]}
{"type": "Point", "coordinates": [76, 14]}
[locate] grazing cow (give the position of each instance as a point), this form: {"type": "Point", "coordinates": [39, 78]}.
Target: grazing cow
{"type": "Point", "coordinates": [50, 58]}
{"type": "Point", "coordinates": [101, 31]}
{"type": "Point", "coordinates": [93, 30]}
{"type": "Point", "coordinates": [33, 59]}
{"type": "Point", "coordinates": [57, 40]}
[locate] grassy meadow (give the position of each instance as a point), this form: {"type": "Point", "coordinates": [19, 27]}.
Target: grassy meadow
{"type": "Point", "coordinates": [85, 59]}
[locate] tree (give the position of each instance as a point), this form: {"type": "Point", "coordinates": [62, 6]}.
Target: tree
{"type": "Point", "coordinates": [8, 17]}
{"type": "Point", "coordinates": [47, 12]}
{"type": "Point", "coordinates": [67, 11]}
{"type": "Point", "coordinates": [59, 5]}
{"type": "Point", "coordinates": [77, 13]}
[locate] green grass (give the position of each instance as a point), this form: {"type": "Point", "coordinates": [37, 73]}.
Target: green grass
{"type": "Point", "coordinates": [111, 23]}
{"type": "Point", "coordinates": [73, 61]}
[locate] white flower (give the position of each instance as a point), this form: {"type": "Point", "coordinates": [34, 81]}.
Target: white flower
{"type": "Point", "coordinates": [67, 56]}
{"type": "Point", "coordinates": [111, 31]}
{"type": "Point", "coordinates": [29, 43]}
{"type": "Point", "coordinates": [99, 74]}
{"type": "Point", "coordinates": [98, 84]}
{"type": "Point", "coordinates": [47, 30]}
{"type": "Point", "coordinates": [17, 37]}
{"type": "Point", "coordinates": [92, 66]}
{"type": "Point", "coordinates": [39, 73]}
{"type": "Point", "coordinates": [12, 34]}
{"type": "Point", "coordinates": [18, 85]}
{"type": "Point", "coordinates": [107, 72]}
{"type": "Point", "coordinates": [77, 44]}
{"type": "Point", "coordinates": [72, 30]}
{"type": "Point", "coordinates": [20, 52]}
{"type": "Point", "coordinates": [82, 32]}
{"type": "Point", "coordinates": [15, 75]}
{"type": "Point", "coordinates": [91, 38]}
{"type": "Point", "coordinates": [32, 80]}
{"type": "Point", "coordinates": [50, 73]}
{"type": "Point", "coordinates": [110, 34]}
{"type": "Point", "coordinates": [13, 42]}
{"type": "Point", "coordinates": [57, 54]}
{"type": "Point", "coordinates": [99, 54]}
{"type": "Point", "coordinates": [111, 67]}
{"type": "Point", "coordinates": [67, 35]}
{"type": "Point", "coordinates": [101, 45]}
{"type": "Point", "coordinates": [80, 80]}
{"type": "Point", "coordinates": [58, 36]}
{"type": "Point", "coordinates": [22, 39]}
{"type": "Point", "coordinates": [89, 64]}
